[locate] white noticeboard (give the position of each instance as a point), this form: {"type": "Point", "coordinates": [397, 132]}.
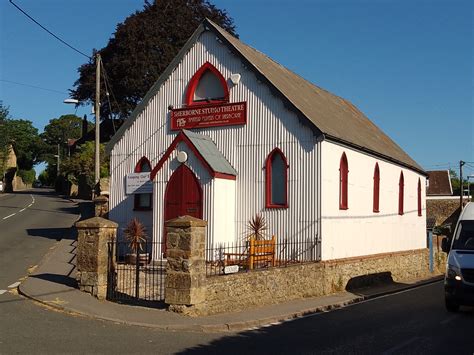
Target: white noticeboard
{"type": "Point", "coordinates": [138, 183]}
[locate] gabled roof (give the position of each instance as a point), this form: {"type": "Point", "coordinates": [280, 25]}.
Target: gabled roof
{"type": "Point", "coordinates": [206, 151]}
{"type": "Point", "coordinates": [439, 183]}
{"type": "Point", "coordinates": [332, 116]}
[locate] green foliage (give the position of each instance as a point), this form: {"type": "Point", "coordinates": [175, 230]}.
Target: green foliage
{"type": "Point", "coordinates": [44, 178]}
{"type": "Point", "coordinates": [82, 163]}
{"type": "Point", "coordinates": [59, 130]}
{"type": "Point", "coordinates": [142, 47]}
{"type": "Point", "coordinates": [28, 176]}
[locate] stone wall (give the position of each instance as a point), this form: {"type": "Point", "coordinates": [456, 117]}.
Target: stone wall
{"type": "Point", "coordinates": [443, 211]}
{"type": "Point", "coordinates": [239, 291]}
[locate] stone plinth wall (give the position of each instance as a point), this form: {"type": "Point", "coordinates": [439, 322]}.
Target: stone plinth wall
{"type": "Point", "coordinates": [239, 291]}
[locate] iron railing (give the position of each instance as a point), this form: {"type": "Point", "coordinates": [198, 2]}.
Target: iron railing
{"type": "Point", "coordinates": [136, 278]}
{"type": "Point", "coordinates": [256, 255]}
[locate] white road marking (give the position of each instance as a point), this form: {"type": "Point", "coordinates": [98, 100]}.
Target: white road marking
{"type": "Point", "coordinates": [22, 209]}
{"type": "Point", "coordinates": [31, 204]}
{"type": "Point", "coordinates": [11, 215]}
{"type": "Point", "coordinates": [396, 349]}
{"type": "Point", "coordinates": [2, 292]}
{"type": "Point", "coordinates": [15, 284]}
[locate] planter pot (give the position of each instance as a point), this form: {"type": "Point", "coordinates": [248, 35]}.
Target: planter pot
{"type": "Point", "coordinates": [143, 258]}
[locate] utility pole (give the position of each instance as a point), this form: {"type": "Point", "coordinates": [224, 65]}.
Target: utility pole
{"type": "Point", "coordinates": [97, 118]}
{"type": "Point", "coordinates": [461, 164]}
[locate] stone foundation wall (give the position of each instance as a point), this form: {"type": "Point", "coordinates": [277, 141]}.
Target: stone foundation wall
{"type": "Point", "coordinates": [243, 290]}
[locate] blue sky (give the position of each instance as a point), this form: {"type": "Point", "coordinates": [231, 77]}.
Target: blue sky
{"type": "Point", "coordinates": [407, 64]}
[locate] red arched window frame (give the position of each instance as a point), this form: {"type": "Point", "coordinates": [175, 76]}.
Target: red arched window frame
{"type": "Point", "coordinates": [376, 188]}
{"type": "Point", "coordinates": [269, 198]}
{"type": "Point", "coordinates": [401, 190]}
{"type": "Point", "coordinates": [419, 197]}
{"type": "Point", "coordinates": [143, 202]}
{"type": "Point", "coordinates": [193, 83]}
{"type": "Point", "coordinates": [343, 182]}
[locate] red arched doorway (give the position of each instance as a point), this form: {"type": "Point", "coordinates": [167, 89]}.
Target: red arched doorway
{"type": "Point", "coordinates": [183, 195]}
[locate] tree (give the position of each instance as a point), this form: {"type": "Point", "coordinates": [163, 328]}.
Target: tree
{"type": "Point", "coordinates": [4, 143]}
{"type": "Point", "coordinates": [59, 130]}
{"type": "Point", "coordinates": [142, 47]}
{"type": "Point", "coordinates": [81, 164]}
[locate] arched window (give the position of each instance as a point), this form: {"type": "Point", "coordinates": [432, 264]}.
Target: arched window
{"type": "Point", "coordinates": [143, 202]}
{"type": "Point", "coordinates": [207, 86]}
{"type": "Point", "coordinates": [276, 180]}
{"type": "Point", "coordinates": [343, 181]}
{"type": "Point", "coordinates": [401, 188]}
{"type": "Point", "coordinates": [419, 197]}
{"type": "Point", "coordinates": [376, 188]}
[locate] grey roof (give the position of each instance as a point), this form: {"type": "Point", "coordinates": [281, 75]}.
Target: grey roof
{"type": "Point", "coordinates": [330, 115]}
{"type": "Point", "coordinates": [208, 150]}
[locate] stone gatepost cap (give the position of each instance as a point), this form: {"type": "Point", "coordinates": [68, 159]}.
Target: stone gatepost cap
{"type": "Point", "coordinates": [96, 222]}
{"type": "Point", "coordinates": [186, 221]}
{"type": "Point", "coordinates": [101, 198]}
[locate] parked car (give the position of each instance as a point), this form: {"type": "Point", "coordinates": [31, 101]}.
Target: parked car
{"type": "Point", "coordinates": [459, 278]}
{"type": "Point", "coordinates": [1, 186]}
{"type": "Point", "coordinates": [37, 183]}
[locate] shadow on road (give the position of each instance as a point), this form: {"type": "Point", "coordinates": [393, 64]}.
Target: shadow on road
{"type": "Point", "coordinates": [53, 233]}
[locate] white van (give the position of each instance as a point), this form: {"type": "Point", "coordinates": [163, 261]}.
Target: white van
{"type": "Point", "coordinates": [459, 278]}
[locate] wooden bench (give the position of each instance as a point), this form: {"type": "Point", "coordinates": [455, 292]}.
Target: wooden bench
{"type": "Point", "coordinates": [259, 251]}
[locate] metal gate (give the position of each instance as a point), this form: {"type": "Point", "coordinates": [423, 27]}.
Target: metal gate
{"type": "Point", "coordinates": [136, 278]}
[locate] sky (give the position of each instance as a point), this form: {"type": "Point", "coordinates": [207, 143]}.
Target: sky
{"type": "Point", "coordinates": [407, 64]}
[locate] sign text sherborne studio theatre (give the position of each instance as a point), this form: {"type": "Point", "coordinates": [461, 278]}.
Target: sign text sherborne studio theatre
{"type": "Point", "coordinates": [209, 116]}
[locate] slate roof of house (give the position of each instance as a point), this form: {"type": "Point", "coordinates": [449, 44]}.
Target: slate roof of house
{"type": "Point", "coordinates": [334, 117]}
{"type": "Point", "coordinates": [439, 183]}
{"type": "Point", "coordinates": [210, 153]}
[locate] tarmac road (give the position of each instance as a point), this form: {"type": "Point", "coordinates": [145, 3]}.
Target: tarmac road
{"type": "Point", "coordinates": [410, 322]}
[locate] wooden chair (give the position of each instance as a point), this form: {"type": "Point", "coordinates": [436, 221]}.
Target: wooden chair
{"type": "Point", "coordinates": [259, 252]}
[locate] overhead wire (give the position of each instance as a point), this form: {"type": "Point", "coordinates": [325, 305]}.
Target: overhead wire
{"type": "Point", "coordinates": [48, 31]}
{"type": "Point", "coordinates": [33, 86]}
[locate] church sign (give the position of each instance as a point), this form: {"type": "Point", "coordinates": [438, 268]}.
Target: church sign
{"type": "Point", "coordinates": [198, 116]}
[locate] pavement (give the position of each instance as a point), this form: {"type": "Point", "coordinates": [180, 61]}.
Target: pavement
{"type": "Point", "coordinates": [53, 283]}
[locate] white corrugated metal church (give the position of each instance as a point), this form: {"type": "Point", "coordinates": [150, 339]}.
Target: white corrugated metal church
{"type": "Point", "coordinates": [226, 132]}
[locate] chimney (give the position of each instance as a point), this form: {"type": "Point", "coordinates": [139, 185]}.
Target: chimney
{"type": "Point", "coordinates": [84, 126]}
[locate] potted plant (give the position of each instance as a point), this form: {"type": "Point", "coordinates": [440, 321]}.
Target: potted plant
{"type": "Point", "coordinates": [256, 228]}
{"type": "Point", "coordinates": [135, 235]}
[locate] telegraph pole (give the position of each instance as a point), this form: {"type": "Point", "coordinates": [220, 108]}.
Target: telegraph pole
{"type": "Point", "coordinates": [97, 118]}
{"type": "Point", "coordinates": [461, 164]}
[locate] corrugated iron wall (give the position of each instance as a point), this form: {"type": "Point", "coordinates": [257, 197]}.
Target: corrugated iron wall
{"type": "Point", "coordinates": [270, 124]}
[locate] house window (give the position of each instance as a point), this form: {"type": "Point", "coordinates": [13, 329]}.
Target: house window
{"type": "Point", "coordinates": [419, 197]}
{"type": "Point", "coordinates": [343, 181]}
{"type": "Point", "coordinates": [143, 202]}
{"type": "Point", "coordinates": [376, 188]}
{"type": "Point", "coordinates": [276, 171]}
{"type": "Point", "coordinates": [401, 188]}
{"type": "Point", "coordinates": [207, 86]}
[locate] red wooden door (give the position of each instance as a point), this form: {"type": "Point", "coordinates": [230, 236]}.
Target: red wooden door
{"type": "Point", "coordinates": [183, 195]}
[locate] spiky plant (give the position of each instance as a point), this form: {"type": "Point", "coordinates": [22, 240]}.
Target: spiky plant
{"type": "Point", "coordinates": [135, 234]}
{"type": "Point", "coordinates": [257, 227]}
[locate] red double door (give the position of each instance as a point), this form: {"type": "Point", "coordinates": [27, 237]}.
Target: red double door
{"type": "Point", "coordinates": [183, 195]}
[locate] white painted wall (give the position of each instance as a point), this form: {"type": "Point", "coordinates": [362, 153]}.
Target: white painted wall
{"type": "Point", "coordinates": [224, 211]}
{"type": "Point", "coordinates": [358, 230]}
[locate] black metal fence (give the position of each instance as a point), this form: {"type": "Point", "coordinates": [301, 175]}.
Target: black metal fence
{"type": "Point", "coordinates": [136, 277]}
{"type": "Point", "coordinates": [254, 255]}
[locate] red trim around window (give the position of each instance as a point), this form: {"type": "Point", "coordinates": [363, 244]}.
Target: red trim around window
{"type": "Point", "coordinates": [419, 197]}
{"type": "Point", "coordinates": [189, 98]}
{"type": "Point", "coordinates": [376, 188]}
{"type": "Point", "coordinates": [136, 197]}
{"type": "Point", "coordinates": [268, 180]}
{"type": "Point", "coordinates": [343, 182]}
{"type": "Point", "coordinates": [401, 188]}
